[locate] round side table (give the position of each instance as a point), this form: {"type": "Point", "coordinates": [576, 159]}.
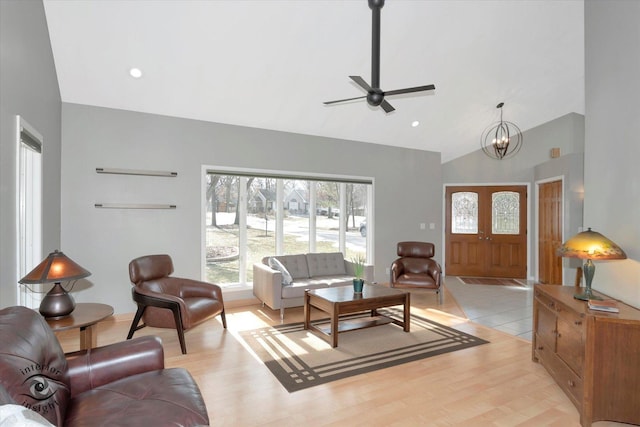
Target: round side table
{"type": "Point", "coordinates": [85, 317]}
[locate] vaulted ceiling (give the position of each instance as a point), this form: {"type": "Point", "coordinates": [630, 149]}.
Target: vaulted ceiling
{"type": "Point", "coordinates": [271, 64]}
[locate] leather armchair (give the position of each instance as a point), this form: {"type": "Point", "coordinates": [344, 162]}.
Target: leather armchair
{"type": "Point", "coordinates": [120, 384]}
{"type": "Point", "coordinates": [416, 268]}
{"type": "Point", "coordinates": [171, 302]}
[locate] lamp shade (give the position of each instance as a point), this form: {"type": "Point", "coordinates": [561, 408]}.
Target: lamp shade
{"type": "Point", "coordinates": [591, 245]}
{"type": "Point", "coordinates": [55, 268]}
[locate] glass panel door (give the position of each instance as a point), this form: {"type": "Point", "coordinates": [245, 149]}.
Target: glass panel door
{"type": "Point", "coordinates": [505, 212]}
{"type": "Point", "coordinates": [464, 218]}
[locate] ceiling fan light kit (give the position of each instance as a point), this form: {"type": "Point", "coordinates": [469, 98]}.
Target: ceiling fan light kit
{"type": "Point", "coordinates": [376, 96]}
{"type": "Point", "coordinates": [501, 140]}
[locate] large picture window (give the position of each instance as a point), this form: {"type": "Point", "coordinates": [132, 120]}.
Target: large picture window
{"type": "Point", "coordinates": [251, 216]}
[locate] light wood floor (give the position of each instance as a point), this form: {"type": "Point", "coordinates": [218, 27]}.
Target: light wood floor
{"type": "Point", "coordinates": [489, 385]}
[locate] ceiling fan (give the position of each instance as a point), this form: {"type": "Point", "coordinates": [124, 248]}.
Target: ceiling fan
{"type": "Point", "coordinates": [375, 96]}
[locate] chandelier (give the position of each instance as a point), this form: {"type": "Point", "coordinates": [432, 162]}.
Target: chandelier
{"type": "Point", "coordinates": [501, 140]}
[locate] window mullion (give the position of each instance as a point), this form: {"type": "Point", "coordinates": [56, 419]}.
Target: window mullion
{"type": "Point", "coordinates": [312, 216]}
{"type": "Point", "coordinates": [341, 218]}
{"type": "Point", "coordinates": [242, 235]}
{"type": "Point", "coordinates": [279, 217]}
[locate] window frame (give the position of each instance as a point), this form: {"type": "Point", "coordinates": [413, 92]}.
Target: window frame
{"type": "Point", "coordinates": [245, 173]}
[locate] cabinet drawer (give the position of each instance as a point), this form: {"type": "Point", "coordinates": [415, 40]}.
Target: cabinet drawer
{"type": "Point", "coordinates": [571, 317]}
{"type": "Point", "coordinates": [544, 300]}
{"type": "Point", "coordinates": [570, 383]}
{"type": "Point", "coordinates": [562, 374]}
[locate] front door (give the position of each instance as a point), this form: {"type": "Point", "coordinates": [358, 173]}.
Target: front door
{"type": "Point", "coordinates": [486, 231]}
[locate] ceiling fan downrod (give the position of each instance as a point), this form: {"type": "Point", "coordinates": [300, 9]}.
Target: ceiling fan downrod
{"type": "Point", "coordinates": [376, 6]}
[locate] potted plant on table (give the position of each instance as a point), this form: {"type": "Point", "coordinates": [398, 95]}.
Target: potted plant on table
{"type": "Point", "coordinates": [358, 270]}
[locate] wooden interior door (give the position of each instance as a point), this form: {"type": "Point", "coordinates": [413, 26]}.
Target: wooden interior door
{"type": "Point", "coordinates": [486, 231]}
{"type": "Point", "coordinates": [549, 232]}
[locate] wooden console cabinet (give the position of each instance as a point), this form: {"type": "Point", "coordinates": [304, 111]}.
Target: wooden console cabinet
{"type": "Point", "coordinates": [593, 356]}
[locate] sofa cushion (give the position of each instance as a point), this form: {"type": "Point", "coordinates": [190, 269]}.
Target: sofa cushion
{"type": "Point", "coordinates": [296, 289]}
{"type": "Point", "coordinates": [18, 416]}
{"type": "Point", "coordinates": [326, 264]}
{"type": "Point", "coordinates": [296, 265]}
{"type": "Point", "coordinates": [169, 395]}
{"type": "Point", "coordinates": [277, 265]}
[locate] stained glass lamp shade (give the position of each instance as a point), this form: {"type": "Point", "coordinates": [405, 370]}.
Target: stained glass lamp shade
{"type": "Point", "coordinates": [590, 245]}
{"type": "Point", "coordinates": [57, 267]}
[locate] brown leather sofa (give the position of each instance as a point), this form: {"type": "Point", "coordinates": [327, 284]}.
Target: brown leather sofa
{"type": "Point", "coordinates": [416, 268]}
{"type": "Point", "coordinates": [123, 384]}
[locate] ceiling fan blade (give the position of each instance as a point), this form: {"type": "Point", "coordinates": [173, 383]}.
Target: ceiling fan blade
{"type": "Point", "coordinates": [344, 100]}
{"type": "Point", "coordinates": [386, 106]}
{"type": "Point", "coordinates": [360, 81]}
{"type": "Point", "coordinates": [409, 90]}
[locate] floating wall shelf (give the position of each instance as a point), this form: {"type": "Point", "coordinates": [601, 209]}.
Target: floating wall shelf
{"type": "Point", "coordinates": [136, 172]}
{"type": "Point", "coordinates": [133, 206]}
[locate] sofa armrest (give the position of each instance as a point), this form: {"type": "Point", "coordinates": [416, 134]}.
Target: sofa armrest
{"type": "Point", "coordinates": [92, 368]}
{"type": "Point", "coordinates": [195, 288]}
{"type": "Point", "coordinates": [435, 272]}
{"type": "Point", "coordinates": [397, 269]}
{"type": "Point", "coordinates": [267, 285]}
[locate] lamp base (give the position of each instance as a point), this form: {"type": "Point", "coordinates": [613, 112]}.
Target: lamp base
{"type": "Point", "coordinates": [586, 296]}
{"type": "Point", "coordinates": [589, 269]}
{"type": "Point", "coordinates": [57, 303]}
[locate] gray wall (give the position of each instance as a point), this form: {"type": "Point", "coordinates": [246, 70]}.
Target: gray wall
{"type": "Point", "coordinates": [565, 132]}
{"type": "Point", "coordinates": [406, 182]}
{"type": "Point", "coordinates": [612, 146]}
{"type": "Point", "coordinates": [531, 165]}
{"type": "Point", "coordinates": [29, 88]}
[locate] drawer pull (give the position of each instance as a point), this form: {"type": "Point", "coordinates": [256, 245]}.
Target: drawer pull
{"type": "Point", "coordinates": [571, 383]}
{"type": "Point", "coordinates": [578, 322]}
{"type": "Point", "coordinates": [540, 347]}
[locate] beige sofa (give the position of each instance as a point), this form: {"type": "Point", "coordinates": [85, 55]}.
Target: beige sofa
{"type": "Point", "coordinates": [307, 271]}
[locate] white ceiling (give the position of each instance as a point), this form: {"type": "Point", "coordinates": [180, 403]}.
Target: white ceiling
{"type": "Point", "coordinates": [270, 64]}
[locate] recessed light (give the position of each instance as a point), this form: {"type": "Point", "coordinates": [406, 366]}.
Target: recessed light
{"type": "Point", "coordinates": [136, 73]}
{"type": "Point", "coordinates": [415, 123]}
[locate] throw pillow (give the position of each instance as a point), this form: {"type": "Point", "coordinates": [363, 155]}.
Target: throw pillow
{"type": "Point", "coordinates": [19, 416]}
{"type": "Point", "coordinates": [277, 265]}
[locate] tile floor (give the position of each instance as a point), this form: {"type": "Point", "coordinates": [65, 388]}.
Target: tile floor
{"type": "Point", "coordinates": [506, 308]}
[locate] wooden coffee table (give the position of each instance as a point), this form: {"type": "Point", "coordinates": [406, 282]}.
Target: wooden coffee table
{"type": "Point", "coordinates": [85, 317]}
{"type": "Point", "coordinates": [342, 300]}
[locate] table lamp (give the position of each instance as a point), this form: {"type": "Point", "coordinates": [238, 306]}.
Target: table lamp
{"type": "Point", "coordinates": [54, 269]}
{"type": "Point", "coordinates": [590, 245]}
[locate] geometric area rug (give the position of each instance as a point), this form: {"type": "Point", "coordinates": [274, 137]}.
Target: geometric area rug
{"type": "Point", "coordinates": [300, 359]}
